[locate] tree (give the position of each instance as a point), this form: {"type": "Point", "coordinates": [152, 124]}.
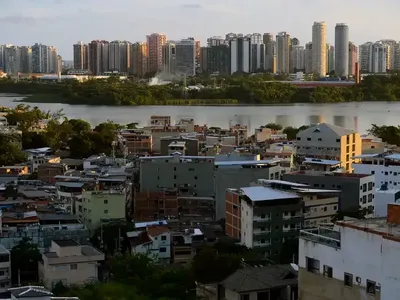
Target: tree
{"type": "Point", "coordinates": [291, 132]}
{"type": "Point", "coordinates": [10, 151]}
{"type": "Point", "coordinates": [388, 134]}
{"type": "Point", "coordinates": [110, 233]}
{"type": "Point", "coordinates": [132, 125]}
{"type": "Point", "coordinates": [209, 266]}
{"type": "Point", "coordinates": [24, 261]}
{"type": "Point", "coordinates": [274, 126]}
{"type": "Point", "coordinates": [79, 126]}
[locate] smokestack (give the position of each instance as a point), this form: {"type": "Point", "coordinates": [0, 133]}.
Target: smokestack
{"type": "Point", "coordinates": [357, 73]}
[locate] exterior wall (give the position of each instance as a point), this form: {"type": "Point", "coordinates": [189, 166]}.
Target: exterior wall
{"type": "Point", "coordinates": [5, 269]}
{"type": "Point", "coordinates": [97, 205]}
{"type": "Point", "coordinates": [170, 173]}
{"type": "Point", "coordinates": [382, 199]}
{"type": "Point", "coordinates": [384, 174]}
{"type": "Point", "coordinates": [52, 274]}
{"type": "Point", "coordinates": [192, 145]}
{"type": "Point", "coordinates": [234, 177]}
{"type": "Point", "coordinates": [159, 248]}
{"type": "Point", "coordinates": [363, 254]}
{"type": "Point", "coordinates": [319, 48]}
{"type": "Point", "coordinates": [266, 226]}
{"type": "Point", "coordinates": [342, 50]}
{"type": "Point", "coordinates": [232, 218]}
{"type": "Point", "coordinates": [352, 188]}
{"type": "Point", "coordinates": [319, 209]}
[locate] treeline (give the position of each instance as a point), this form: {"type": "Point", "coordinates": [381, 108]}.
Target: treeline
{"type": "Point", "coordinates": [61, 133]}
{"type": "Point", "coordinates": [238, 89]}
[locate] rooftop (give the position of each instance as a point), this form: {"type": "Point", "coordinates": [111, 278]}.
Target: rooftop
{"type": "Point", "coordinates": [327, 162]}
{"type": "Point", "coordinates": [247, 162]}
{"type": "Point", "coordinates": [332, 174]}
{"type": "Point", "coordinates": [326, 128]}
{"type": "Point", "coordinates": [30, 292]}
{"type": "Point", "coordinates": [282, 182]}
{"type": "Point", "coordinates": [260, 278]}
{"type": "Point", "coordinates": [322, 235]}
{"type": "Point", "coordinates": [262, 193]}
{"type": "Point", "coordinates": [66, 243]}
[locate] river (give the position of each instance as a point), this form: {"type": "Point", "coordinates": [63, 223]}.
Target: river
{"type": "Point", "coordinates": [353, 115]}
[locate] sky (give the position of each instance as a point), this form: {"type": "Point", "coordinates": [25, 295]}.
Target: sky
{"type": "Point", "coordinates": [61, 23]}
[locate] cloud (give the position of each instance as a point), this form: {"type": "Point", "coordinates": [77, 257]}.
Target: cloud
{"type": "Point", "coordinates": [191, 6]}
{"type": "Point", "coordinates": [20, 20]}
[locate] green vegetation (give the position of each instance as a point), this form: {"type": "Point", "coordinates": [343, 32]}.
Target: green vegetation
{"type": "Point", "coordinates": [388, 134]}
{"type": "Point", "coordinates": [61, 133]}
{"type": "Point", "coordinates": [232, 90]}
{"type": "Point", "coordinates": [24, 262]}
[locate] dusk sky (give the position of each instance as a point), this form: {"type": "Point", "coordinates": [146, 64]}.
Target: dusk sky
{"type": "Point", "coordinates": [61, 23]}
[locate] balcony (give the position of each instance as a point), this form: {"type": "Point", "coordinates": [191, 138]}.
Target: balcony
{"type": "Point", "coordinates": [265, 218]}
{"type": "Point", "coordinates": [260, 232]}
{"type": "Point", "coordinates": [323, 236]}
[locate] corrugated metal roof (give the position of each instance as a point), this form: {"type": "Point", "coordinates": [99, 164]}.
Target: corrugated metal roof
{"type": "Point", "coordinates": [262, 193]}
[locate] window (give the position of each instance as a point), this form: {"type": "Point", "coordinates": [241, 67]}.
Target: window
{"type": "Point", "coordinates": [174, 176]}
{"type": "Point", "coordinates": [371, 287]}
{"type": "Point", "coordinates": [163, 249]}
{"type": "Point", "coordinates": [348, 279]}
{"type": "Point", "coordinates": [73, 266]}
{"type": "Point", "coordinates": [163, 238]}
{"type": "Point", "coordinates": [338, 140]}
{"type": "Point", "coordinates": [105, 201]}
{"type": "Point", "coordinates": [4, 258]}
{"type": "Point", "coordinates": [245, 297]}
{"type": "Point", "coordinates": [308, 139]}
{"type": "Point", "coordinates": [328, 271]}
{"type": "Point", "coordinates": [195, 177]}
{"type": "Point", "coordinates": [312, 265]}
{"type": "Point", "coordinates": [106, 211]}
{"type": "Point", "coordinates": [319, 139]}
{"type": "Point", "coordinates": [372, 172]}
{"type": "Point", "coordinates": [191, 169]}
{"type": "Point", "coordinates": [298, 138]}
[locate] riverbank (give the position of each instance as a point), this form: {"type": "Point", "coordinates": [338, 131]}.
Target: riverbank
{"type": "Point", "coordinates": [52, 98]}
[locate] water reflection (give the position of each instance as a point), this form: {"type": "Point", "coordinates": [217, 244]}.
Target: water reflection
{"type": "Point", "coordinates": [283, 120]}
{"type": "Point", "coordinates": [339, 121]}
{"type": "Point", "coordinates": [316, 119]}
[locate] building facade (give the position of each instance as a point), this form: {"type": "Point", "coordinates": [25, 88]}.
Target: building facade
{"type": "Point", "coordinates": [186, 57]}
{"type": "Point", "coordinates": [342, 50]}
{"type": "Point", "coordinates": [81, 56]}
{"type": "Point", "coordinates": [319, 48]}
{"type": "Point", "coordinates": [353, 59]}
{"type": "Point", "coordinates": [283, 53]}
{"type": "Point", "coordinates": [331, 258]}
{"type": "Point", "coordinates": [155, 43]}
{"type": "Point", "coordinates": [240, 53]}
{"type": "Point", "coordinates": [69, 262]}
{"type": "Point", "coordinates": [40, 58]}
{"type": "Point", "coordinates": [139, 59]}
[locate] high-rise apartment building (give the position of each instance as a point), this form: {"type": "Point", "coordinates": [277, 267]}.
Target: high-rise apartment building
{"type": "Point", "coordinates": [298, 58]}
{"type": "Point", "coordinates": [218, 59]}
{"type": "Point", "coordinates": [364, 57]}
{"type": "Point", "coordinates": [378, 57]}
{"type": "Point", "coordinates": [186, 57]}
{"type": "Point", "coordinates": [240, 50]}
{"type": "Point", "coordinates": [391, 56]}
{"type": "Point", "coordinates": [98, 57]}
{"type": "Point", "coordinates": [342, 50]}
{"type": "Point", "coordinates": [373, 57]}
{"type": "Point", "coordinates": [319, 48]}
{"type": "Point", "coordinates": [26, 59]}
{"type": "Point", "coordinates": [283, 53]}
{"type": "Point", "coordinates": [293, 42]}
{"type": "Point", "coordinates": [40, 58]}
{"type": "Point", "coordinates": [53, 62]}
{"type": "Point", "coordinates": [353, 59]}
{"type": "Point", "coordinates": [169, 58]}
{"type": "Point", "coordinates": [12, 60]}
{"type": "Point", "coordinates": [119, 56]}
{"type": "Point", "coordinates": [81, 56]}
{"type": "Point", "coordinates": [2, 56]}
{"type": "Point", "coordinates": [270, 54]}
{"type": "Point", "coordinates": [139, 59]}
{"type": "Point", "coordinates": [155, 43]}
{"type": "Point", "coordinates": [330, 58]}
{"type": "Point", "coordinates": [308, 58]}
{"type": "Point", "coordinates": [257, 52]}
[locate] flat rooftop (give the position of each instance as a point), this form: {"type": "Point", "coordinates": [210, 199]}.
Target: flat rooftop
{"type": "Point", "coordinates": [282, 182]}
{"type": "Point", "coordinates": [328, 174]}
{"type": "Point", "coordinates": [247, 162]}
{"type": "Point", "coordinates": [316, 161]}
{"type": "Point", "coordinates": [66, 243]}
{"type": "Point", "coordinates": [262, 193]}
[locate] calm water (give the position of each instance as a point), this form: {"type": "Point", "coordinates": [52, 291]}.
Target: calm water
{"type": "Point", "coordinates": [358, 116]}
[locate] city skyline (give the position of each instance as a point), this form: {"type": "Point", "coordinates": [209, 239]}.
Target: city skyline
{"type": "Point", "coordinates": [47, 22]}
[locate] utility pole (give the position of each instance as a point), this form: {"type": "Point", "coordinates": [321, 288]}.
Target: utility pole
{"type": "Point", "coordinates": [19, 277]}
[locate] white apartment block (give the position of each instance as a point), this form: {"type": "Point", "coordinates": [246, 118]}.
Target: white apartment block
{"type": "Point", "coordinates": [356, 259]}
{"type": "Point", "coordinates": [319, 48]}
{"type": "Point", "coordinates": [374, 57]}
{"type": "Point", "coordinates": [385, 167]}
